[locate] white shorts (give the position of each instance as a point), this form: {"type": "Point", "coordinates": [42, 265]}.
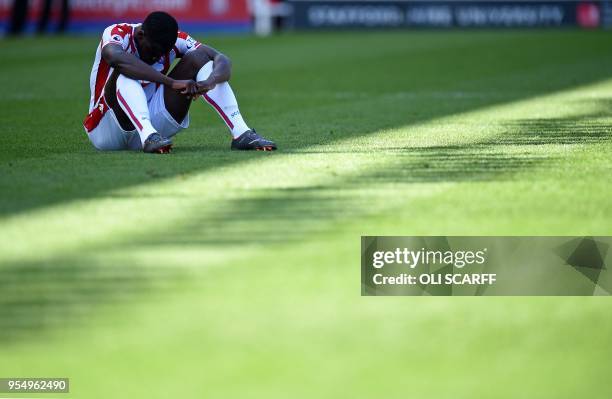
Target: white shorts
{"type": "Point", "coordinates": [109, 136]}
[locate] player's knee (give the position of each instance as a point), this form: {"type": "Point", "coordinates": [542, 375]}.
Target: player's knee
{"type": "Point", "coordinates": [123, 82]}
{"type": "Point", "coordinates": [204, 72]}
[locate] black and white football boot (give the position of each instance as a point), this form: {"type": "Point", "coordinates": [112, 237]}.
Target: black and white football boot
{"type": "Point", "coordinates": [250, 140]}
{"type": "Point", "coordinates": [156, 144]}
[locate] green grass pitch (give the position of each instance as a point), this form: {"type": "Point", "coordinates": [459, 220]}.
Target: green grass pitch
{"type": "Point", "coordinates": [216, 274]}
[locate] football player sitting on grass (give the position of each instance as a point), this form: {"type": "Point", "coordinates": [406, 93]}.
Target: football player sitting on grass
{"type": "Point", "coordinates": [136, 104]}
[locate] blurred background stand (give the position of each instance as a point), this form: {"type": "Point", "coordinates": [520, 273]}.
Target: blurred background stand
{"type": "Point", "coordinates": [269, 15]}
{"type": "Point", "coordinates": [19, 14]}
{"type": "Point", "coordinates": [20, 11]}
{"type": "Point", "coordinates": [45, 15]}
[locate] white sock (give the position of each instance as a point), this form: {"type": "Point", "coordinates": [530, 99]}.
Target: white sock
{"type": "Point", "coordinates": [133, 101]}
{"type": "Point", "coordinates": [223, 100]}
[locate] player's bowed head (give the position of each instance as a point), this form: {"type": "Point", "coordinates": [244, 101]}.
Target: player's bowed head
{"type": "Point", "coordinates": [153, 38]}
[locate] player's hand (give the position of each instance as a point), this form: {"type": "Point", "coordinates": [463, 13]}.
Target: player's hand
{"type": "Point", "coordinates": [187, 87]}
{"type": "Point", "coordinates": [205, 85]}
{"type": "Point", "coordinates": [202, 87]}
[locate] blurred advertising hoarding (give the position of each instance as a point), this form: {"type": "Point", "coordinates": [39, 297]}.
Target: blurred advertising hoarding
{"type": "Point", "coordinates": [192, 15]}
{"type": "Point", "coordinates": [448, 14]}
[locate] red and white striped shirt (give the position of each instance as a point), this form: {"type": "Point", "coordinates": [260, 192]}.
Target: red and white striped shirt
{"type": "Point", "coordinates": [123, 35]}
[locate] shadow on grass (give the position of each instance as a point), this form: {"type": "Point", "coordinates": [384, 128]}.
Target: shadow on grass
{"type": "Point", "coordinates": [495, 159]}
{"type": "Point", "coordinates": [299, 212]}
{"type": "Point", "coordinates": [35, 182]}
{"type": "Point", "coordinates": [40, 296]}
{"type": "Point", "coordinates": [45, 295]}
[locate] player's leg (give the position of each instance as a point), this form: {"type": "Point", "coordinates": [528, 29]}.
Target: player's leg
{"type": "Point", "coordinates": [129, 103]}
{"type": "Point", "coordinates": [110, 95]}
{"type": "Point", "coordinates": [221, 98]}
{"type": "Point", "coordinates": [178, 104]}
{"type": "Point", "coordinates": [191, 67]}
{"type": "Point", "coordinates": [161, 119]}
{"type": "Point", "coordinates": [105, 133]}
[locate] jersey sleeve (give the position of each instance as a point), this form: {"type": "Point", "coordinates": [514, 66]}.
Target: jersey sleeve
{"type": "Point", "coordinates": [185, 44]}
{"type": "Point", "coordinates": [117, 34]}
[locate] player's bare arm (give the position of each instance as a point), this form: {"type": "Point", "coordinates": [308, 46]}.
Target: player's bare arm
{"type": "Point", "coordinates": [134, 68]}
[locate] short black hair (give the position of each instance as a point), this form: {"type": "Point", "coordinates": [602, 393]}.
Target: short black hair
{"type": "Point", "coordinates": [161, 28]}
